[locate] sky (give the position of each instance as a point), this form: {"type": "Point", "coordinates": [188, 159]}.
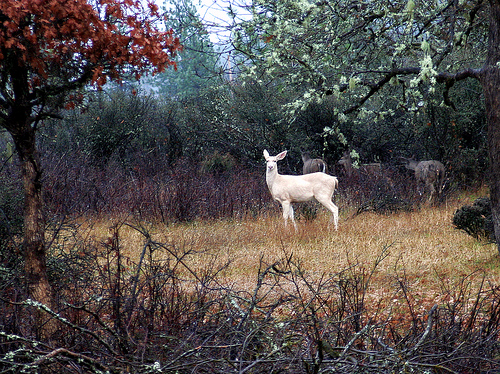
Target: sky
{"type": "Point", "coordinates": [213, 14]}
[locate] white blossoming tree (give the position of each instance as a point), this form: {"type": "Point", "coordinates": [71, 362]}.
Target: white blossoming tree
{"type": "Point", "coordinates": [377, 55]}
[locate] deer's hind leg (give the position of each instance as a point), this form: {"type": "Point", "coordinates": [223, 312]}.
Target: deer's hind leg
{"type": "Point", "coordinates": [328, 204]}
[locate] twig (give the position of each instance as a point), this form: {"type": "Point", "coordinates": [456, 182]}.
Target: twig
{"type": "Point", "coordinates": [353, 340]}
{"type": "Point", "coordinates": [428, 329]}
{"type": "Point", "coordinates": [41, 306]}
{"type": "Point", "coordinates": [74, 355]}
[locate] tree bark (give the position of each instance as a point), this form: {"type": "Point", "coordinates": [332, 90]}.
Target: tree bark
{"type": "Point", "coordinates": [22, 127]}
{"type": "Point", "coordinates": [37, 282]}
{"type": "Point", "coordinates": [490, 80]}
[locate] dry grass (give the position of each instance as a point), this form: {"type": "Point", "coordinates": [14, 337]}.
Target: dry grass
{"type": "Point", "coordinates": [421, 248]}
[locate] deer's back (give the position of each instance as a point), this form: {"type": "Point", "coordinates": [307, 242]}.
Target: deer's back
{"type": "Point", "coordinates": [430, 171]}
{"type": "Point", "coordinates": [314, 166]}
{"type": "Point", "coordinates": [303, 187]}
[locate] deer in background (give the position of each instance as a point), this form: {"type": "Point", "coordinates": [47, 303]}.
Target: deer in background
{"type": "Point", "coordinates": [431, 173]}
{"type": "Point", "coordinates": [366, 169]}
{"type": "Point", "coordinates": [313, 165]}
{"type": "Point", "coordinates": [288, 189]}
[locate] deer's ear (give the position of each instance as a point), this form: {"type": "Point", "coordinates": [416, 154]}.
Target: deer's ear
{"type": "Point", "coordinates": [281, 155]}
{"type": "Point", "coordinates": [266, 154]}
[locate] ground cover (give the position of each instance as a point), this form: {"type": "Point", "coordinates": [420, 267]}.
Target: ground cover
{"type": "Point", "coordinates": [420, 250]}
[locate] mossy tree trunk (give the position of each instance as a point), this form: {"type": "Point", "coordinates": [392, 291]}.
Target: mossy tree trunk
{"type": "Point", "coordinates": [490, 80]}
{"type": "Point", "coordinates": [22, 128]}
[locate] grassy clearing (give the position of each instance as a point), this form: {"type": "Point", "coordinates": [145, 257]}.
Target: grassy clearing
{"type": "Point", "coordinates": [399, 293]}
{"type": "Point", "coordinates": [421, 247]}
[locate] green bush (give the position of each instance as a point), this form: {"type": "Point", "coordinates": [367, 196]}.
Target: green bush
{"type": "Point", "coordinates": [217, 163]}
{"type": "Point", "coordinates": [476, 220]}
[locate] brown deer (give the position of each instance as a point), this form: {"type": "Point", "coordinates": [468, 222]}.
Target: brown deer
{"type": "Point", "coordinates": [431, 173]}
{"type": "Point", "coordinates": [366, 169]}
{"type": "Point", "coordinates": [313, 165]}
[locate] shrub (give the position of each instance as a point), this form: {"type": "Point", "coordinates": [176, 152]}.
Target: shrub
{"type": "Point", "coordinates": [217, 163]}
{"type": "Point", "coordinates": [159, 315]}
{"type": "Point", "coordinates": [476, 220]}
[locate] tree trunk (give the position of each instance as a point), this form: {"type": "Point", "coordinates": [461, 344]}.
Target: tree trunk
{"type": "Point", "coordinates": [34, 250]}
{"type": "Point", "coordinates": [490, 80]}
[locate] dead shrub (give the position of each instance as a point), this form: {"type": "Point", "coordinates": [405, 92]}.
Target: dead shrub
{"type": "Point", "coordinates": [159, 314]}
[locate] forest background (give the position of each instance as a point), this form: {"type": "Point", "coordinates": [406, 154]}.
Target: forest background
{"type": "Point", "coordinates": [204, 116]}
{"type": "Point", "coordinates": [186, 146]}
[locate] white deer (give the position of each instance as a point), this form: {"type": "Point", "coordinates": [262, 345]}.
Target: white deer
{"type": "Point", "coordinates": [288, 189]}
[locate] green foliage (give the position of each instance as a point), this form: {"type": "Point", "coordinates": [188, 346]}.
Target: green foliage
{"type": "Point", "coordinates": [476, 220]}
{"type": "Point", "coordinates": [436, 132]}
{"type": "Point", "coordinates": [205, 123]}
{"type": "Point", "coordinates": [237, 120]}
{"type": "Point", "coordinates": [309, 131]}
{"type": "Point", "coordinates": [121, 125]}
{"type": "Point", "coordinates": [469, 167]}
{"type": "Point", "coordinates": [257, 119]}
{"type": "Point", "coordinates": [217, 163]}
{"type": "Point", "coordinates": [381, 66]}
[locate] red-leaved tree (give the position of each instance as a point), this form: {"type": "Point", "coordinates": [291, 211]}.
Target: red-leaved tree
{"type": "Point", "coordinates": [49, 49]}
